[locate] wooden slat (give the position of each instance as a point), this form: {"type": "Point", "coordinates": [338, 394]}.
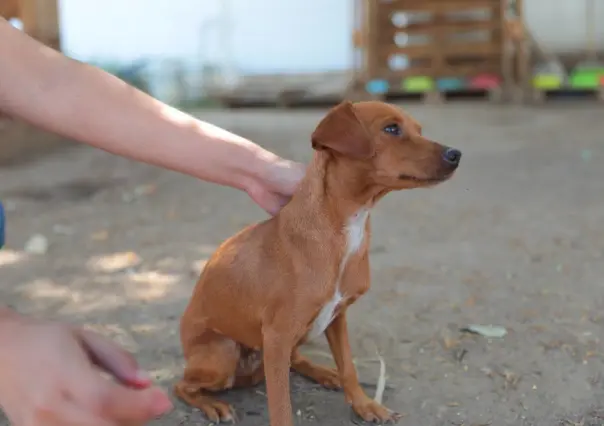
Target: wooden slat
{"type": "Point", "coordinates": [387, 35]}
{"type": "Point", "coordinates": [445, 27]}
{"type": "Point", "coordinates": [448, 49]}
{"type": "Point", "coordinates": [448, 71]}
{"type": "Point", "coordinates": [432, 6]}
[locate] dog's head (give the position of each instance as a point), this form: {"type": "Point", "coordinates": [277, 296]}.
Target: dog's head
{"type": "Point", "coordinates": [385, 142]}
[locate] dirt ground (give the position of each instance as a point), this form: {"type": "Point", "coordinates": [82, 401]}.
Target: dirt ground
{"type": "Point", "coordinates": [515, 239]}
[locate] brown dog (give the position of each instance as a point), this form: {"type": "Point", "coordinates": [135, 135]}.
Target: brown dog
{"type": "Point", "coordinates": [289, 279]}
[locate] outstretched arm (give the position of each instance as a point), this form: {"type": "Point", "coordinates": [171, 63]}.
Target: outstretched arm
{"type": "Point", "coordinates": [84, 103]}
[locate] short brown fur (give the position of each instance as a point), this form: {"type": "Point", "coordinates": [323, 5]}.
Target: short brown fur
{"type": "Point", "coordinates": [262, 290]}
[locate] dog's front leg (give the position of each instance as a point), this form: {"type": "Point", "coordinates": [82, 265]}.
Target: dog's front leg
{"type": "Point", "coordinates": [277, 350]}
{"type": "Point", "coordinates": [367, 408]}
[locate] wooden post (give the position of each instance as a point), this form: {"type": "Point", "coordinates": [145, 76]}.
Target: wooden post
{"type": "Point", "coordinates": [507, 53]}
{"type": "Point", "coordinates": [523, 58]}
{"type": "Point", "coordinates": [41, 20]}
{"type": "Point", "coordinates": [357, 41]}
{"type": "Point", "coordinates": [356, 88]}
{"type": "Point", "coordinates": [9, 9]}
{"type": "Point", "coordinates": [372, 47]}
{"type": "Point", "coordinates": [438, 59]}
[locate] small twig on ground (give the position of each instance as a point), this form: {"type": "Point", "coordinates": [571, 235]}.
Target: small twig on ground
{"type": "Point", "coordinates": [381, 383]}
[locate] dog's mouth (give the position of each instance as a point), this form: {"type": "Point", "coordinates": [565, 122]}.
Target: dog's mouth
{"type": "Point", "coordinates": [425, 180]}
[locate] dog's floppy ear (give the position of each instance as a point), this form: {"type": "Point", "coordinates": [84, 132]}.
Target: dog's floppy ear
{"type": "Point", "coordinates": [342, 132]}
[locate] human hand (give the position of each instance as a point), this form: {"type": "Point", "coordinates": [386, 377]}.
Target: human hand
{"type": "Point", "coordinates": [49, 376]}
{"type": "Point", "coordinates": [278, 183]}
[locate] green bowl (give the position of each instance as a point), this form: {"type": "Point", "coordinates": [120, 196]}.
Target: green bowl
{"type": "Point", "coordinates": [418, 84]}
{"type": "Point", "coordinates": [585, 79]}
{"type": "Point", "coordinates": [547, 81]}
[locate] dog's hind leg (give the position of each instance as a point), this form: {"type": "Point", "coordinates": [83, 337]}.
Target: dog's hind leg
{"type": "Point", "coordinates": [211, 367]}
{"type": "Point", "coordinates": [327, 377]}
{"type": "Point", "coordinates": [250, 369]}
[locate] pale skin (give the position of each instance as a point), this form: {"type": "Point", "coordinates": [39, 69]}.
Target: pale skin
{"type": "Point", "coordinates": [47, 375]}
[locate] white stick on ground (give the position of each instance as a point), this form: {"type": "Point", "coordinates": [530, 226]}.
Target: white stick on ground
{"type": "Point", "coordinates": [381, 384]}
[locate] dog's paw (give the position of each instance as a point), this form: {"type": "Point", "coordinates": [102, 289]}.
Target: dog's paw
{"type": "Point", "coordinates": [218, 411]}
{"type": "Point", "coordinates": [329, 378]}
{"type": "Point", "coordinates": [371, 411]}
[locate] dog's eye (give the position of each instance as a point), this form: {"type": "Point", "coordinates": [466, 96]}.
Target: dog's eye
{"type": "Point", "coordinates": [393, 129]}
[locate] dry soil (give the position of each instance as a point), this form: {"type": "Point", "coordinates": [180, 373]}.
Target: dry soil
{"type": "Point", "coordinates": [515, 239]}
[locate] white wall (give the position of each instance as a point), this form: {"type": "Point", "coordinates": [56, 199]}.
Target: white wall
{"type": "Point", "coordinates": [560, 24]}
{"type": "Point", "coordinates": [304, 35]}
{"type": "Point", "coordinates": [265, 35]}
{"type": "Point", "coordinates": [130, 29]}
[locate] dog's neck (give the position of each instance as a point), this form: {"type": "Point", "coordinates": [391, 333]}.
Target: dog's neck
{"type": "Point", "coordinates": [335, 190]}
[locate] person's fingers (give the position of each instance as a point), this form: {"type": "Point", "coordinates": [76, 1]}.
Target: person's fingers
{"type": "Point", "coordinates": [130, 405]}
{"type": "Point", "coordinates": [286, 177]}
{"type": "Point", "coordinates": [282, 200]}
{"type": "Point", "coordinates": [298, 170]}
{"type": "Point", "coordinates": [114, 360]}
{"type": "Point", "coordinates": [264, 199]}
{"type": "Point", "coordinates": [275, 202]}
{"type": "Point", "coordinates": [69, 414]}
{"type": "Point", "coordinates": [272, 204]}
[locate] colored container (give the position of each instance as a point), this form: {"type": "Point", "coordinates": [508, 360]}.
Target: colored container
{"type": "Point", "coordinates": [377, 87]}
{"type": "Point", "coordinates": [585, 79]}
{"type": "Point", "coordinates": [450, 84]}
{"type": "Point", "coordinates": [547, 81]}
{"type": "Point", "coordinates": [485, 81]}
{"type": "Point", "coordinates": [418, 84]}
{"type": "Point", "coordinates": [602, 81]}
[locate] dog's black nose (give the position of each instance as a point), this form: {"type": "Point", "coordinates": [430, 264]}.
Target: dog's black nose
{"type": "Point", "coordinates": [452, 156]}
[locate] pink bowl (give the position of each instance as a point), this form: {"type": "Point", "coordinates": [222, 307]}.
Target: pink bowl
{"type": "Point", "coordinates": [485, 81]}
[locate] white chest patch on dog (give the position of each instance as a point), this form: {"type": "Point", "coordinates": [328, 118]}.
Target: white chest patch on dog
{"type": "Point", "coordinates": [355, 235]}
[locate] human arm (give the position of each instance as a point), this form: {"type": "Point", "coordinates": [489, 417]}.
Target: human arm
{"type": "Point", "coordinates": [84, 103]}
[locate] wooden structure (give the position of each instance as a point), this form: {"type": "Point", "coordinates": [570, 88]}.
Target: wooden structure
{"type": "Point", "coordinates": [519, 44]}
{"type": "Point", "coordinates": [21, 141]}
{"type": "Point", "coordinates": [439, 45]}
{"type": "Point", "coordinates": [40, 18]}
{"type": "Point", "coordinates": [9, 9]}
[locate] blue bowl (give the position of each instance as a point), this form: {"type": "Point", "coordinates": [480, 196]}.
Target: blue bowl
{"type": "Point", "coordinates": [377, 87]}
{"type": "Point", "coordinates": [450, 84]}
